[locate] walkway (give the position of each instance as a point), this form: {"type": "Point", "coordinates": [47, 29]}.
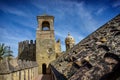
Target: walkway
{"type": "Point", "coordinates": [44, 77]}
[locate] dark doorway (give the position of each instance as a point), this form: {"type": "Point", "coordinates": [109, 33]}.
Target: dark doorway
{"type": "Point", "coordinates": [44, 68]}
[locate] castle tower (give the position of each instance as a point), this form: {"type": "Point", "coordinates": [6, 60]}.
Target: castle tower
{"type": "Point", "coordinates": [69, 42]}
{"type": "Point", "coordinates": [45, 43]}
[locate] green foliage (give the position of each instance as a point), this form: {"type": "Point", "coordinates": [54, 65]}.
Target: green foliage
{"type": "Point", "coordinates": [5, 51]}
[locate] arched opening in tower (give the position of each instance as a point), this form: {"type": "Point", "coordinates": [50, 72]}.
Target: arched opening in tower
{"type": "Point", "coordinates": [45, 26]}
{"type": "Point", "coordinates": [44, 68]}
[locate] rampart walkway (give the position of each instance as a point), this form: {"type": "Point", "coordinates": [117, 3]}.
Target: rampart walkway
{"type": "Point", "coordinates": [44, 77]}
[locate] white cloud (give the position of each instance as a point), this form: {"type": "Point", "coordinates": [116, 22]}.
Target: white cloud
{"type": "Point", "coordinates": [100, 10]}
{"type": "Point", "coordinates": [11, 32]}
{"type": "Point", "coordinates": [60, 34]}
{"type": "Point", "coordinates": [86, 17]}
{"type": "Point", "coordinates": [37, 5]}
{"type": "Point", "coordinates": [8, 9]}
{"type": "Point", "coordinates": [116, 4]}
{"type": "Point", "coordinates": [69, 9]}
{"type": "Point", "coordinates": [22, 11]}
{"type": "Point", "coordinates": [83, 14]}
{"type": "Point", "coordinates": [12, 36]}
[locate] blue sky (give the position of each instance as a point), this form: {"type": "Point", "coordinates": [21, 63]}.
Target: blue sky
{"type": "Point", "coordinates": [79, 17]}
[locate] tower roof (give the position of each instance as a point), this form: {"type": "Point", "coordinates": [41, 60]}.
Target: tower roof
{"type": "Point", "coordinates": [45, 16]}
{"type": "Point", "coordinates": [69, 38]}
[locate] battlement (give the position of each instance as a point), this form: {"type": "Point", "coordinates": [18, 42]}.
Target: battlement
{"type": "Point", "coordinates": [16, 65]}
{"type": "Point", "coordinates": [17, 69]}
{"type": "Point", "coordinates": [27, 50]}
{"type": "Point", "coordinates": [27, 42]}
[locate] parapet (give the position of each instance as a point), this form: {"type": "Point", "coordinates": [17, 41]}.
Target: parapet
{"type": "Point", "coordinates": [16, 65]}
{"type": "Point", "coordinates": [45, 16]}
{"type": "Point", "coordinates": [27, 42]}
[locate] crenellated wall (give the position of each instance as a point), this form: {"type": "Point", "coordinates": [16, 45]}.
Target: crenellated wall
{"type": "Point", "coordinates": [27, 50]}
{"type": "Point", "coordinates": [18, 70]}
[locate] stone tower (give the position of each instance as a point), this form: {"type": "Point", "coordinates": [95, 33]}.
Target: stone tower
{"type": "Point", "coordinates": [45, 43]}
{"type": "Point", "coordinates": [69, 42]}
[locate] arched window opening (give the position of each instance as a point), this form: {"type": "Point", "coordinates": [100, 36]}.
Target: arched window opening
{"type": "Point", "coordinates": [45, 26]}
{"type": "Point", "coordinates": [44, 68]}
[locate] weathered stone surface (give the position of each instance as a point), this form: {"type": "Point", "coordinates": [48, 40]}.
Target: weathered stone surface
{"type": "Point", "coordinates": [15, 65]}
{"type": "Point", "coordinates": [47, 49]}
{"type": "Point", "coordinates": [18, 70]}
{"type": "Point", "coordinates": [27, 50]}
{"type": "Point", "coordinates": [97, 57]}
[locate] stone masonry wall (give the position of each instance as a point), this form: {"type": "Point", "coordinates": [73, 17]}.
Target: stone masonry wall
{"type": "Point", "coordinates": [18, 70]}
{"type": "Point", "coordinates": [45, 53]}
{"type": "Point", "coordinates": [27, 50]}
{"type": "Point", "coordinates": [97, 57]}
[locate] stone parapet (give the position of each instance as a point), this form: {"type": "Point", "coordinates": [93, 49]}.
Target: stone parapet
{"type": "Point", "coordinates": [18, 70]}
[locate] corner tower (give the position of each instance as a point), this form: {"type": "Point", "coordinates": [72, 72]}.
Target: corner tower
{"type": "Point", "coordinates": [45, 43]}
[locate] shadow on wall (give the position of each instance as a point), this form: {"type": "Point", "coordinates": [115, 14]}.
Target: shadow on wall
{"type": "Point", "coordinates": [46, 77]}
{"type": "Point", "coordinates": [115, 73]}
{"type": "Point", "coordinates": [45, 74]}
{"type": "Point", "coordinates": [58, 75]}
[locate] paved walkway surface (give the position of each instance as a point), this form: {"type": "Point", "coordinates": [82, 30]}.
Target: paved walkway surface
{"type": "Point", "coordinates": [44, 77]}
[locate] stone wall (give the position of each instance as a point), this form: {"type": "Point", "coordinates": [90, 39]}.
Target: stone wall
{"type": "Point", "coordinates": [18, 70]}
{"type": "Point", "coordinates": [97, 57]}
{"type": "Point", "coordinates": [27, 50]}
{"type": "Point", "coordinates": [45, 54]}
